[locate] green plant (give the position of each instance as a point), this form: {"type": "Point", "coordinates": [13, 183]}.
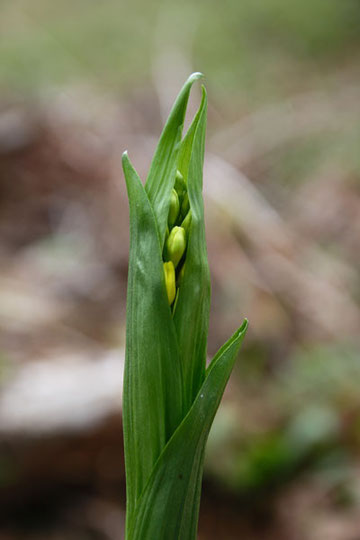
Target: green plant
{"type": "Point", "coordinates": [170, 397]}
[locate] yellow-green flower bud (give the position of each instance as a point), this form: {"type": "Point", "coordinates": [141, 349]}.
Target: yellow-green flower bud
{"type": "Point", "coordinates": [185, 205]}
{"type": "Point", "coordinates": [180, 185]}
{"type": "Point", "coordinates": [187, 222]}
{"type": "Point", "coordinates": [169, 272]}
{"type": "Point", "coordinates": [176, 245]}
{"type": "Point", "coordinates": [174, 208]}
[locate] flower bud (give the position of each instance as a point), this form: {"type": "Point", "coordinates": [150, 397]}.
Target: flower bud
{"type": "Point", "coordinates": [187, 222]}
{"type": "Point", "coordinates": [176, 245]}
{"type": "Point", "coordinates": [180, 185]}
{"type": "Point", "coordinates": [185, 205]}
{"type": "Point", "coordinates": [169, 272]}
{"type": "Point", "coordinates": [174, 208]}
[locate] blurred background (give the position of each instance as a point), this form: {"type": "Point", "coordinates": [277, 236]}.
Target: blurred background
{"type": "Point", "coordinates": [80, 82]}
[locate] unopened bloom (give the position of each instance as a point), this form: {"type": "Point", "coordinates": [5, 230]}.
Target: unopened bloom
{"type": "Point", "coordinates": [169, 272]}
{"type": "Point", "coordinates": [180, 185]}
{"type": "Point", "coordinates": [185, 205]}
{"type": "Point", "coordinates": [174, 208]}
{"type": "Point", "coordinates": [187, 222]}
{"type": "Point", "coordinates": [176, 245]}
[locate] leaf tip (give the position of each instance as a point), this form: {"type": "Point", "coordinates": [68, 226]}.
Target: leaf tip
{"type": "Point", "coordinates": [195, 76]}
{"type": "Point", "coordinates": [244, 326]}
{"type": "Point", "coordinates": [203, 95]}
{"type": "Point", "coordinates": [127, 167]}
{"type": "Point", "coordinates": [126, 164]}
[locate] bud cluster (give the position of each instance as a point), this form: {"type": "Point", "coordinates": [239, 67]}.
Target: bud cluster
{"type": "Point", "coordinates": [177, 232]}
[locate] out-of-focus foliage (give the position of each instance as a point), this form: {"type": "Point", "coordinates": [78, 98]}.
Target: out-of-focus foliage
{"type": "Point", "coordinates": [315, 409]}
{"type": "Point", "coordinates": [250, 48]}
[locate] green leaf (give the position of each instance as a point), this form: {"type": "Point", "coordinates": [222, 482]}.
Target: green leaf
{"type": "Point", "coordinates": [168, 507]}
{"type": "Point", "coordinates": [152, 400]}
{"type": "Point", "coordinates": [187, 142]}
{"type": "Point", "coordinates": [169, 399]}
{"type": "Point", "coordinates": [161, 177]}
{"type": "Point", "coordinates": [191, 316]}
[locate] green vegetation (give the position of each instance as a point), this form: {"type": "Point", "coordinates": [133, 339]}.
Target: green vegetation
{"type": "Point", "coordinates": [170, 397]}
{"type": "Point", "coordinates": [249, 47]}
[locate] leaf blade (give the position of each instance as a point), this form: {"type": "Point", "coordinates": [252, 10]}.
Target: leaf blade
{"type": "Point", "coordinates": [162, 171]}
{"type": "Point", "coordinates": [168, 508]}
{"type": "Point", "coordinates": [152, 399]}
{"type": "Point", "coordinates": [191, 317]}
